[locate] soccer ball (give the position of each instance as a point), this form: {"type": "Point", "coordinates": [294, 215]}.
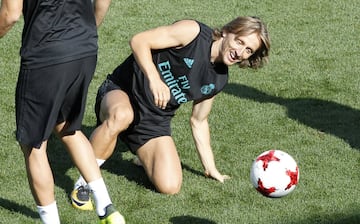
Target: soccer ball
{"type": "Point", "coordinates": [274, 173]}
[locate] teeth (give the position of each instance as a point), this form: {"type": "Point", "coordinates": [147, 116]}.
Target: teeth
{"type": "Point", "coordinates": [233, 56]}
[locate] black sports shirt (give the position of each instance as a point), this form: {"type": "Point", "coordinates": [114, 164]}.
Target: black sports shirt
{"type": "Point", "coordinates": [57, 31]}
{"type": "Point", "coordinates": [187, 71]}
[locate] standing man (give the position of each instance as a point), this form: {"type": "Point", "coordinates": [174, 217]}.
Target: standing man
{"type": "Point", "coordinates": [58, 60]}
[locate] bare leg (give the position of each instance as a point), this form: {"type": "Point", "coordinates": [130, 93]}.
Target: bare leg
{"type": "Point", "coordinates": [116, 113]}
{"type": "Point", "coordinates": [39, 174]}
{"type": "Point", "coordinates": [41, 182]}
{"type": "Point", "coordinates": [82, 155]}
{"type": "Point", "coordinates": [162, 164]}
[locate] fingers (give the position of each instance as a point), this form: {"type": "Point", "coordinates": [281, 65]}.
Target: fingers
{"type": "Point", "coordinates": [219, 177]}
{"type": "Point", "coordinates": [222, 178]}
{"type": "Point", "coordinates": [161, 93]}
{"type": "Point", "coordinates": [226, 177]}
{"type": "Point", "coordinates": [161, 99]}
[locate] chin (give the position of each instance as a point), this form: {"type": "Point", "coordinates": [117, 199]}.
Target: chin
{"type": "Point", "coordinates": [229, 63]}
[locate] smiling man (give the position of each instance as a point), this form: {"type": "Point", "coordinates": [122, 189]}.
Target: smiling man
{"type": "Point", "coordinates": [170, 65]}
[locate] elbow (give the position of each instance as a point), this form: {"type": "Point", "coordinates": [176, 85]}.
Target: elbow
{"type": "Point", "coordinates": [11, 21]}
{"type": "Point", "coordinates": [138, 42]}
{"type": "Point", "coordinates": [13, 14]}
{"type": "Point", "coordinates": [192, 122]}
{"type": "Point", "coordinates": [11, 18]}
{"type": "Point", "coordinates": [9, 15]}
{"type": "Point", "coordinates": [16, 16]}
{"type": "Point", "coordinates": [133, 41]}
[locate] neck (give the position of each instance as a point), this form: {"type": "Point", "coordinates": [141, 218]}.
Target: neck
{"type": "Point", "coordinates": [215, 51]}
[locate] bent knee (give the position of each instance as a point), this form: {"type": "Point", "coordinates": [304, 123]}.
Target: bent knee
{"type": "Point", "coordinates": [169, 187]}
{"type": "Point", "coordinates": [119, 120]}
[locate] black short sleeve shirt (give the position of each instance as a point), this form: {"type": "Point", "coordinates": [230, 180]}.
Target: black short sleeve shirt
{"type": "Point", "coordinates": [57, 31]}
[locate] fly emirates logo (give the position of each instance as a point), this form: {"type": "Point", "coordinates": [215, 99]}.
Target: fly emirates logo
{"type": "Point", "coordinates": [176, 86]}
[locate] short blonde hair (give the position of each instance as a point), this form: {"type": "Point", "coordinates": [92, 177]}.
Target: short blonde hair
{"type": "Point", "coordinates": [243, 26]}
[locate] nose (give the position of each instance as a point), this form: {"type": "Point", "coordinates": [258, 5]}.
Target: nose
{"type": "Point", "coordinates": [240, 52]}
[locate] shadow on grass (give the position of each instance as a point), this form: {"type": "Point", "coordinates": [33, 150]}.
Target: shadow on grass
{"type": "Point", "coordinates": [61, 162]}
{"type": "Point", "coordinates": [16, 208]}
{"type": "Point", "coordinates": [325, 116]}
{"type": "Point", "coordinates": [336, 218]}
{"type": "Point", "coordinates": [192, 170]}
{"type": "Point", "coordinates": [190, 219]}
{"type": "Point", "coordinates": [126, 168]}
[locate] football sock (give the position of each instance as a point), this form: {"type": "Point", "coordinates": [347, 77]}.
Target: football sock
{"type": "Point", "coordinates": [101, 195]}
{"type": "Point", "coordinates": [100, 161]}
{"type": "Point", "coordinates": [81, 181]}
{"type": "Point", "coordinates": [49, 214]}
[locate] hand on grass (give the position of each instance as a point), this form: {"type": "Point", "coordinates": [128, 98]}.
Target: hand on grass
{"type": "Point", "coordinates": [216, 175]}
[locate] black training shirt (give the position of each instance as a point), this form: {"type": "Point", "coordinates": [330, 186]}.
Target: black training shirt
{"type": "Point", "coordinates": [187, 71]}
{"type": "Point", "coordinates": [57, 31]}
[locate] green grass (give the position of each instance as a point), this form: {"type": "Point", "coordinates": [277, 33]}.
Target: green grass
{"type": "Point", "coordinates": [305, 102]}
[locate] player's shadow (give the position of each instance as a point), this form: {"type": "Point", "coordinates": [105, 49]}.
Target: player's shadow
{"type": "Point", "coordinates": [336, 218]}
{"type": "Point", "coordinates": [325, 116]}
{"type": "Point", "coordinates": [116, 164]}
{"type": "Point", "coordinates": [17, 208]}
{"type": "Point", "coordinates": [190, 219]}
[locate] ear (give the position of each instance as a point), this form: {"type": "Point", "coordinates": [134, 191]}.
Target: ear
{"type": "Point", "coordinates": [223, 33]}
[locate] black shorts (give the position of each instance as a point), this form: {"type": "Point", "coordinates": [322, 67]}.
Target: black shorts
{"type": "Point", "coordinates": [51, 95]}
{"type": "Point", "coordinates": [146, 125]}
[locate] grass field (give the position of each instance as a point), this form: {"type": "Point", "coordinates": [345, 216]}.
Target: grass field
{"type": "Point", "coordinates": [305, 102]}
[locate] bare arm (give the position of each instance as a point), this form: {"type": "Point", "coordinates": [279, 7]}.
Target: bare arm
{"type": "Point", "coordinates": [201, 134]}
{"type": "Point", "coordinates": [178, 34]}
{"type": "Point", "coordinates": [101, 7]}
{"type": "Point", "coordinates": [10, 13]}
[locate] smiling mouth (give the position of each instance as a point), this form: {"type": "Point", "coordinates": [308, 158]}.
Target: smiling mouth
{"type": "Point", "coordinates": [234, 56]}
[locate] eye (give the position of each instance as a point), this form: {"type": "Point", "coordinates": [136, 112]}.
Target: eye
{"type": "Point", "coordinates": [240, 42]}
{"type": "Point", "coordinates": [249, 51]}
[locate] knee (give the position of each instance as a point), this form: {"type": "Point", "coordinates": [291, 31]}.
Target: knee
{"type": "Point", "coordinates": [169, 187]}
{"type": "Point", "coordinates": [118, 121]}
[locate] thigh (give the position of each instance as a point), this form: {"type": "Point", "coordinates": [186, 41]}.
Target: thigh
{"type": "Point", "coordinates": [72, 110]}
{"type": "Point", "coordinates": [51, 95]}
{"type": "Point", "coordinates": [161, 162]}
{"type": "Point", "coordinates": [34, 104]}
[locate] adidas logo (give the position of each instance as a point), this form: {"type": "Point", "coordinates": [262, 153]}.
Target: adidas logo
{"type": "Point", "coordinates": [189, 62]}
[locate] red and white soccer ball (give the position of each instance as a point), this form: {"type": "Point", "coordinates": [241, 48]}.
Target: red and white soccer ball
{"type": "Point", "coordinates": [274, 173]}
